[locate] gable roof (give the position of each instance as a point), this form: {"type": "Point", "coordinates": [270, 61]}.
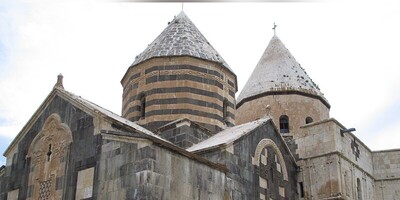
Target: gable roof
{"type": "Point", "coordinates": [135, 130]}
{"type": "Point", "coordinates": [232, 134]}
{"type": "Point", "coordinates": [228, 135]}
{"type": "Point", "coordinates": [181, 38]}
{"type": "Point", "coordinates": [277, 70]}
{"type": "Point", "coordinates": [85, 105]}
{"type": "Point", "coordinates": [96, 108]}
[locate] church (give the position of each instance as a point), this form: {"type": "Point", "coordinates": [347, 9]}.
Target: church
{"type": "Point", "coordinates": [183, 135]}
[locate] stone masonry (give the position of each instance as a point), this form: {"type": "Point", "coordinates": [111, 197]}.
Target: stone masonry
{"type": "Point", "coordinates": [182, 136]}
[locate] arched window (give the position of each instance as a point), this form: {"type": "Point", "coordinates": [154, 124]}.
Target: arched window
{"type": "Point", "coordinates": [142, 106]}
{"type": "Point", "coordinates": [225, 110]}
{"type": "Point", "coordinates": [309, 120]}
{"type": "Point", "coordinates": [284, 124]}
{"type": "Point", "coordinates": [359, 193]}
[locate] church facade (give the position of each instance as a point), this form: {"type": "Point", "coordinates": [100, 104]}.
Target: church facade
{"type": "Point", "coordinates": [183, 135]}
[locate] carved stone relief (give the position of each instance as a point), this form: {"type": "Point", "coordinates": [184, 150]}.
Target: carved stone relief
{"type": "Point", "coordinates": [48, 152]}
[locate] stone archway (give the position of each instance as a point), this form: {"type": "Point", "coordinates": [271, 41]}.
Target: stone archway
{"type": "Point", "coordinates": [48, 153]}
{"type": "Point", "coordinates": [269, 143]}
{"type": "Point", "coordinates": [272, 171]}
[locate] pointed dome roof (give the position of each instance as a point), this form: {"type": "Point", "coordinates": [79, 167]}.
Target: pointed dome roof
{"type": "Point", "coordinates": [181, 38]}
{"type": "Point", "coordinates": [278, 71]}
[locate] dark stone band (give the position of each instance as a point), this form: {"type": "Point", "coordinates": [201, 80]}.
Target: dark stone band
{"type": "Point", "coordinates": [182, 89]}
{"type": "Point", "coordinates": [133, 86]}
{"type": "Point", "coordinates": [135, 76]}
{"type": "Point", "coordinates": [181, 67]}
{"type": "Point", "coordinates": [184, 111]}
{"type": "Point", "coordinates": [231, 83]}
{"type": "Point", "coordinates": [211, 127]}
{"type": "Point", "coordinates": [186, 77]}
{"type": "Point", "coordinates": [269, 93]}
{"type": "Point", "coordinates": [231, 93]}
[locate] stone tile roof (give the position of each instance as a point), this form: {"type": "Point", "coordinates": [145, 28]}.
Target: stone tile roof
{"type": "Point", "coordinates": [278, 70]}
{"type": "Point", "coordinates": [87, 106]}
{"type": "Point", "coordinates": [98, 109]}
{"type": "Point", "coordinates": [228, 135]}
{"type": "Point", "coordinates": [181, 38]}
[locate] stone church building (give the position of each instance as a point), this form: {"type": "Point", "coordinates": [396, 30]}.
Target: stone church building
{"type": "Point", "coordinates": [183, 135]}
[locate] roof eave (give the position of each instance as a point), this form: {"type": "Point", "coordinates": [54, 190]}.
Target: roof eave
{"type": "Point", "coordinates": [283, 92]}
{"type": "Point", "coordinates": [155, 57]}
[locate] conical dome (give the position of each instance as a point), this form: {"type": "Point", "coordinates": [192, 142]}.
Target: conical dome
{"type": "Point", "coordinates": [181, 38]}
{"type": "Point", "coordinates": [180, 76]}
{"type": "Point", "coordinates": [278, 71]}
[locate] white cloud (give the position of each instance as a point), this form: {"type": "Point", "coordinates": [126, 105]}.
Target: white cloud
{"type": "Point", "coordinates": [349, 49]}
{"type": "Point", "coordinates": [386, 138]}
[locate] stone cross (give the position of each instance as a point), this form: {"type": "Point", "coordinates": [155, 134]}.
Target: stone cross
{"type": "Point", "coordinates": [274, 28]}
{"type": "Point", "coordinates": [354, 147]}
{"type": "Point", "coordinates": [49, 153]}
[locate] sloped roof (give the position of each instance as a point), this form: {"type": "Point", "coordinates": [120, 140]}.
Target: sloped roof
{"type": "Point", "coordinates": [106, 114]}
{"type": "Point", "coordinates": [83, 104]}
{"type": "Point", "coordinates": [278, 70]}
{"type": "Point", "coordinates": [94, 107]}
{"type": "Point", "coordinates": [228, 135]}
{"type": "Point", "coordinates": [181, 38]}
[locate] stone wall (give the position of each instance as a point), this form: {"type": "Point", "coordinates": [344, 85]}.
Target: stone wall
{"type": "Point", "coordinates": [387, 174]}
{"type": "Point", "coordinates": [296, 107]}
{"type": "Point", "coordinates": [184, 133]}
{"type": "Point", "coordinates": [250, 174]}
{"type": "Point", "coordinates": [332, 165]}
{"type": "Point", "coordinates": [82, 154]}
{"type": "Point", "coordinates": [138, 169]}
{"type": "Point", "coordinates": [179, 87]}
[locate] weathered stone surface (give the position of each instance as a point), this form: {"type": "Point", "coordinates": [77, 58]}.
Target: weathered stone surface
{"type": "Point", "coordinates": [152, 172]}
{"type": "Point", "coordinates": [184, 133]}
{"type": "Point", "coordinates": [179, 87]}
{"type": "Point", "coordinates": [278, 70]}
{"type": "Point", "coordinates": [181, 38]}
{"type": "Point", "coordinates": [74, 149]}
{"type": "Point", "coordinates": [82, 152]}
{"type": "Point", "coordinates": [243, 179]}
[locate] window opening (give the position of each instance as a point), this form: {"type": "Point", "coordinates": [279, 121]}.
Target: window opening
{"type": "Point", "coordinates": [301, 189]}
{"type": "Point", "coordinates": [225, 110]}
{"type": "Point", "coordinates": [143, 106]}
{"type": "Point", "coordinates": [309, 120]}
{"type": "Point", "coordinates": [49, 153]}
{"type": "Point", "coordinates": [284, 124]}
{"type": "Point", "coordinates": [359, 193]}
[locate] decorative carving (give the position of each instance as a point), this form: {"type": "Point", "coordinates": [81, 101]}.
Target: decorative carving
{"type": "Point", "coordinates": [354, 147]}
{"type": "Point", "coordinates": [47, 149]}
{"type": "Point", "coordinates": [44, 191]}
{"type": "Point", "coordinates": [269, 143]}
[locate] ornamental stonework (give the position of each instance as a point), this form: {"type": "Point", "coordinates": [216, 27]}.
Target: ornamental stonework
{"type": "Point", "coordinates": [48, 152]}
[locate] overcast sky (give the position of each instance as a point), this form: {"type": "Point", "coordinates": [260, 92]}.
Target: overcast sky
{"type": "Point", "coordinates": [351, 50]}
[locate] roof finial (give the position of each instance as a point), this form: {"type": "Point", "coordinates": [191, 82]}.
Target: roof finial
{"type": "Point", "coordinates": [182, 6]}
{"type": "Point", "coordinates": [267, 109]}
{"type": "Point", "coordinates": [59, 83]}
{"type": "Point", "coordinates": [274, 28]}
